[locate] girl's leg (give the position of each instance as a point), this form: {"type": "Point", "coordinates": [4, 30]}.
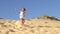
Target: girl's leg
{"type": "Point", "coordinates": [23, 21]}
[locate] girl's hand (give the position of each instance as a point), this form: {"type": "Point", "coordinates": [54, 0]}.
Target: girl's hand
{"type": "Point", "coordinates": [16, 10]}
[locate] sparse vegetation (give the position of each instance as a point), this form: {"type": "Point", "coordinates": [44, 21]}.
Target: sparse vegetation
{"type": "Point", "coordinates": [46, 22]}
{"type": "Point", "coordinates": [1, 18]}
{"type": "Point", "coordinates": [32, 31]}
{"type": "Point", "coordinates": [11, 30]}
{"type": "Point", "coordinates": [53, 18]}
{"type": "Point", "coordinates": [44, 16]}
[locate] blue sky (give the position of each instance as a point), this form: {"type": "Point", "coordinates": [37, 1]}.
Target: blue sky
{"type": "Point", "coordinates": [34, 8]}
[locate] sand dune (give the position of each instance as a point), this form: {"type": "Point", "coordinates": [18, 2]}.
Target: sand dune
{"type": "Point", "coordinates": [40, 25]}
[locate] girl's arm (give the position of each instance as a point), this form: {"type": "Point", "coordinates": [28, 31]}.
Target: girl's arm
{"type": "Point", "coordinates": [24, 14]}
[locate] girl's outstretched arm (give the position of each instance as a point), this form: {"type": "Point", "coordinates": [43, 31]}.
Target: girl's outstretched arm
{"type": "Point", "coordinates": [17, 10]}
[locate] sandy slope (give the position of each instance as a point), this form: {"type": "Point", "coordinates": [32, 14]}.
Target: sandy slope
{"type": "Point", "coordinates": [42, 25]}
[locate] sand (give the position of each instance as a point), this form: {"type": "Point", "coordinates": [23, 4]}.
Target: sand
{"type": "Point", "coordinates": [41, 25]}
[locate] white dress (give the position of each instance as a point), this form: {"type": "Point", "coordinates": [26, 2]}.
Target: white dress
{"type": "Point", "coordinates": [21, 14]}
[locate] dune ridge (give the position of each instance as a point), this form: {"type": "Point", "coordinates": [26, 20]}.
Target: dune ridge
{"type": "Point", "coordinates": [40, 25]}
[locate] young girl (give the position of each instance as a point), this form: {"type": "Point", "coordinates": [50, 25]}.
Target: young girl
{"type": "Point", "coordinates": [22, 15]}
